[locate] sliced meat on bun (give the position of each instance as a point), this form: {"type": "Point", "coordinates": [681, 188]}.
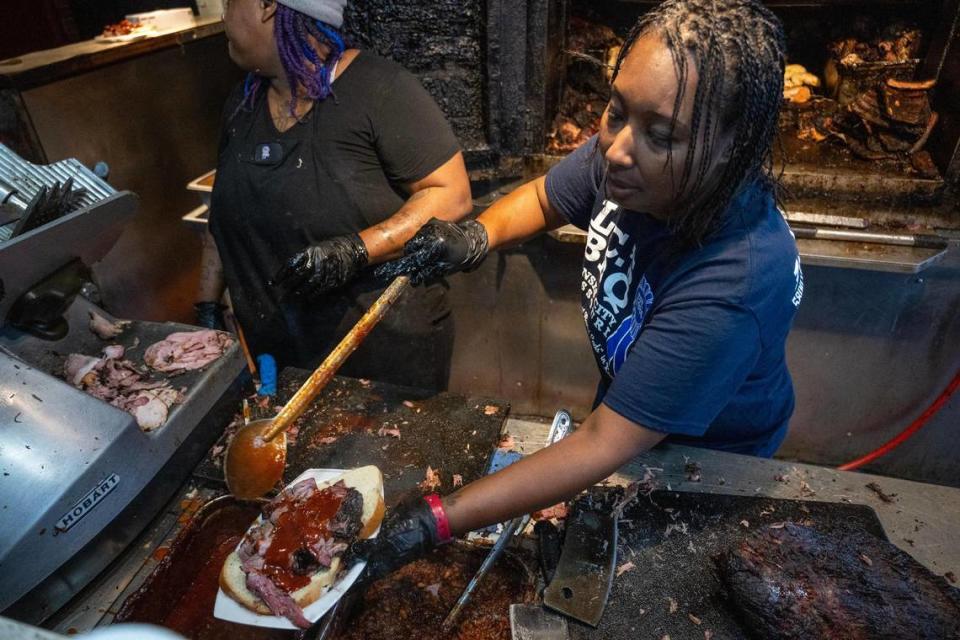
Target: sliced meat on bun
{"type": "Point", "coordinates": [292, 555]}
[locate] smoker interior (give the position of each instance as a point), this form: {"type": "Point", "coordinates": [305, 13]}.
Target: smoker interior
{"type": "Point", "coordinates": [814, 171]}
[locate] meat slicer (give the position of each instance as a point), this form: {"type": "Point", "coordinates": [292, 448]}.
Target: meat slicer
{"type": "Point", "coordinates": [79, 479]}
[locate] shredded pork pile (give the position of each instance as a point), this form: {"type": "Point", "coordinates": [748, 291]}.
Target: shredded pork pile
{"type": "Point", "coordinates": [121, 383]}
{"type": "Point", "coordinates": [186, 351]}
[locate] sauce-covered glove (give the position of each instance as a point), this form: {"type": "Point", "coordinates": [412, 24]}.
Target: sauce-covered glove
{"type": "Point", "coordinates": [209, 315]}
{"type": "Point", "coordinates": [322, 267]}
{"type": "Point", "coordinates": [438, 249]}
{"type": "Point", "coordinates": [408, 533]}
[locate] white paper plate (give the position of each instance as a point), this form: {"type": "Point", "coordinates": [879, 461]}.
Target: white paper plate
{"type": "Point", "coordinates": [226, 608]}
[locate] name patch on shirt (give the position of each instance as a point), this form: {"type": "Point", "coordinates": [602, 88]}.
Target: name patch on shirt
{"type": "Point", "coordinates": [268, 153]}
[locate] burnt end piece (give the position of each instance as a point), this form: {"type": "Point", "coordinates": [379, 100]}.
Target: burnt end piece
{"type": "Point", "coordinates": [303, 562]}
{"type": "Point", "coordinates": [349, 519]}
{"type": "Point", "coordinates": [795, 582]}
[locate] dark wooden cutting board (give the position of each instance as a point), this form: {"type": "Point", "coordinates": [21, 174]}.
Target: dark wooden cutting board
{"type": "Point", "coordinates": [347, 426]}
{"type": "Point", "coordinates": [671, 538]}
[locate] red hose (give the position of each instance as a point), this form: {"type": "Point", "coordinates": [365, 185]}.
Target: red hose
{"type": "Point", "coordinates": [905, 435]}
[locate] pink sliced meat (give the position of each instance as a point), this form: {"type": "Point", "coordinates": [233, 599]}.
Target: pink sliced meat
{"type": "Point", "coordinates": [187, 350]}
{"type": "Point", "coordinates": [122, 384]}
{"type": "Point", "coordinates": [279, 602]}
{"type": "Point", "coordinates": [77, 366]}
{"type": "Point", "coordinates": [113, 352]}
{"type": "Point", "coordinates": [325, 549]}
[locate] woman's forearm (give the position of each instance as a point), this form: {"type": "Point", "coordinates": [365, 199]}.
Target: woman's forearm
{"type": "Point", "coordinates": [444, 194]}
{"type": "Point", "coordinates": [211, 272]}
{"type": "Point", "coordinates": [602, 444]}
{"type": "Point", "coordinates": [520, 215]}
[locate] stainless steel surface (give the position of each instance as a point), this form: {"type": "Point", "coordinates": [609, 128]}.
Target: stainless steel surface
{"type": "Point", "coordinates": [13, 630]}
{"type": "Point", "coordinates": [825, 218]}
{"type": "Point", "coordinates": [57, 445]}
{"type": "Point", "coordinates": [21, 181]}
{"type": "Point", "coordinates": [868, 256]}
{"type": "Point", "coordinates": [87, 233]}
{"type": "Point", "coordinates": [897, 253]}
{"type": "Point", "coordinates": [99, 603]}
{"type": "Point", "coordinates": [155, 119]}
{"type": "Point", "coordinates": [533, 622]}
{"type": "Point", "coordinates": [923, 519]}
{"type": "Point", "coordinates": [928, 241]}
{"type": "Point", "coordinates": [75, 463]}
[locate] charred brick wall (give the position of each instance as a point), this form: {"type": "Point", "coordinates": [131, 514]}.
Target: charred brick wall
{"type": "Point", "coordinates": [442, 42]}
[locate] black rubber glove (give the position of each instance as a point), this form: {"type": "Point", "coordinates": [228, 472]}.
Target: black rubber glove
{"type": "Point", "coordinates": [408, 533]}
{"type": "Point", "coordinates": [322, 267]}
{"type": "Point", "coordinates": [439, 248]}
{"type": "Point", "coordinates": [210, 315]}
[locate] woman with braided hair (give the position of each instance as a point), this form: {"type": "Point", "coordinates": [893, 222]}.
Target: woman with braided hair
{"type": "Point", "coordinates": [690, 278]}
{"type": "Point", "coordinates": [330, 159]}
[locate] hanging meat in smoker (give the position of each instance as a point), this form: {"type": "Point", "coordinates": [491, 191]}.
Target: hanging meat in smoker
{"type": "Point", "coordinates": [795, 582]}
{"type": "Point", "coordinates": [892, 121]}
{"type": "Point", "coordinates": [591, 53]}
{"type": "Point", "coordinates": [896, 42]}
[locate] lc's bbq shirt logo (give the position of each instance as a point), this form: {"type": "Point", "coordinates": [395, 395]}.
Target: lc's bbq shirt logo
{"type": "Point", "coordinates": [615, 300]}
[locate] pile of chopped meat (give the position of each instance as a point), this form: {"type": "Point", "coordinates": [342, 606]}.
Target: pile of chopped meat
{"type": "Point", "coordinates": [412, 602]}
{"type": "Point", "coordinates": [121, 383]}
{"type": "Point", "coordinates": [186, 351]}
{"type": "Point", "coordinates": [895, 42]}
{"type": "Point", "coordinates": [592, 52]}
{"type": "Point", "coordinates": [123, 28]}
{"type": "Point", "coordinates": [296, 538]}
{"type": "Point", "coordinates": [796, 582]}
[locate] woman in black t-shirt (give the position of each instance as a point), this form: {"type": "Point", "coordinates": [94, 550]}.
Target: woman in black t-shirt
{"type": "Point", "coordinates": [330, 159]}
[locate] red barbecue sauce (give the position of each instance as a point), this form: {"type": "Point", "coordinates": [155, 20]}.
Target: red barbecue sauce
{"type": "Point", "coordinates": [297, 528]}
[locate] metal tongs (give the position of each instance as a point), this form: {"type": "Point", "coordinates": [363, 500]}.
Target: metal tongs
{"type": "Point", "coordinates": [562, 424]}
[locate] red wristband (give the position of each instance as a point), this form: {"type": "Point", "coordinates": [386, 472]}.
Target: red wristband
{"type": "Point", "coordinates": [443, 525]}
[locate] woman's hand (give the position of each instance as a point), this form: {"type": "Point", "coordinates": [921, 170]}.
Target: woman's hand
{"type": "Point", "coordinates": [601, 445]}
{"type": "Point", "coordinates": [408, 533]}
{"type": "Point", "coordinates": [438, 249]}
{"type": "Point", "coordinates": [322, 267]}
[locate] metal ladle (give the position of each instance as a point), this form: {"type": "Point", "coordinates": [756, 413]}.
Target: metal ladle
{"type": "Point", "coordinates": [257, 454]}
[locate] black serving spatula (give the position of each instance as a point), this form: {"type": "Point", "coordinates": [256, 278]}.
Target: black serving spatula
{"type": "Point", "coordinates": [584, 575]}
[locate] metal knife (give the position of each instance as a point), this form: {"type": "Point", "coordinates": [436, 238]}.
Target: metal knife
{"type": "Point", "coordinates": [562, 424]}
{"type": "Point", "coordinates": [584, 575]}
{"type": "Point", "coordinates": [532, 622]}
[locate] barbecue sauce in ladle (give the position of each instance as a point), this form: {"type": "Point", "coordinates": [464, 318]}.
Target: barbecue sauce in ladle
{"type": "Point", "coordinates": [253, 466]}
{"type": "Point", "coordinates": [257, 453]}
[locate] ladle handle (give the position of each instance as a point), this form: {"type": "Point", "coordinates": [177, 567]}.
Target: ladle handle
{"type": "Point", "coordinates": [323, 374]}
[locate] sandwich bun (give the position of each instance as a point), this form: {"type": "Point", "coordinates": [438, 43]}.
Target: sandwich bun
{"type": "Point", "coordinates": [369, 482]}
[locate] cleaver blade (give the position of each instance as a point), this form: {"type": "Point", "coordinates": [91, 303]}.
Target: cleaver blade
{"type": "Point", "coordinates": [584, 575]}
{"type": "Point", "coordinates": [532, 622]}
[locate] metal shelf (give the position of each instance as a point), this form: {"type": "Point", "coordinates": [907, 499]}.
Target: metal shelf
{"type": "Point", "coordinates": [844, 254]}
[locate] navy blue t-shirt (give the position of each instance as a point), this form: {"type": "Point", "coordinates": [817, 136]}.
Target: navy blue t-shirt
{"type": "Point", "coordinates": [690, 341]}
